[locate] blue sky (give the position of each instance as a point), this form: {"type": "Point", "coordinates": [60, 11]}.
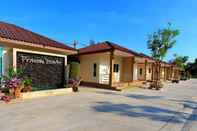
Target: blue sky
{"type": "Point", "coordinates": [126, 22]}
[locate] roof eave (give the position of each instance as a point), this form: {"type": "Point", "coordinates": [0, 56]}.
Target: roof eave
{"type": "Point", "coordinates": [94, 52]}
{"type": "Point", "coordinates": [67, 51]}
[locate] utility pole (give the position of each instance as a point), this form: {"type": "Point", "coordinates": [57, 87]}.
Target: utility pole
{"type": "Point", "coordinates": [75, 43]}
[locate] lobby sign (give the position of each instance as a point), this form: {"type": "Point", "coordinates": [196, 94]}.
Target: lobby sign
{"type": "Point", "coordinates": [44, 70]}
{"type": "Point", "coordinates": [39, 60]}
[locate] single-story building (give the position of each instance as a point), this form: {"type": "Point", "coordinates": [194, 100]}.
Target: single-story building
{"type": "Point", "coordinates": [175, 72]}
{"type": "Point", "coordinates": [166, 71]}
{"type": "Point", "coordinates": [40, 58]}
{"type": "Point", "coordinates": [109, 65]}
{"type": "Point", "coordinates": [146, 68]}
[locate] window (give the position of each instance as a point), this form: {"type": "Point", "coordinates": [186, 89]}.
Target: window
{"type": "Point", "coordinates": [141, 71]}
{"type": "Point", "coordinates": [94, 69]}
{"type": "Point", "coordinates": [116, 67]}
{"type": "Point", "coordinates": [149, 70]}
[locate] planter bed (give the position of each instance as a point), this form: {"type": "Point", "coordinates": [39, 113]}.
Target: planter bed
{"type": "Point", "coordinates": [45, 93]}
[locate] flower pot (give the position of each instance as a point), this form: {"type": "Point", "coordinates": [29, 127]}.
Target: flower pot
{"type": "Point", "coordinates": [75, 89]}
{"type": "Point", "coordinates": [26, 89]}
{"type": "Point", "coordinates": [156, 84]}
{"type": "Point", "coordinates": [17, 92]}
{"type": "Point", "coordinates": [11, 92]}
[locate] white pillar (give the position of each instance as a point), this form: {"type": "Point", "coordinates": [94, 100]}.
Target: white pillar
{"type": "Point", "coordinates": [14, 57]}
{"type": "Point", "coordinates": [135, 73]}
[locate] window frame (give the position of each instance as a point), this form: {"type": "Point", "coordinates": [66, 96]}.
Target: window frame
{"type": "Point", "coordinates": [94, 69]}
{"type": "Point", "coordinates": [116, 68]}
{"type": "Point", "coordinates": [141, 71]}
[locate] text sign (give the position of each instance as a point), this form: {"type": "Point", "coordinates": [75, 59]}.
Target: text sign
{"type": "Point", "coordinates": [44, 70]}
{"type": "Point", "coordinates": [39, 60]}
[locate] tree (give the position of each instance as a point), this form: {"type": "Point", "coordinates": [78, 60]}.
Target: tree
{"type": "Point", "coordinates": [195, 61]}
{"type": "Point", "coordinates": [192, 68]}
{"type": "Point", "coordinates": [159, 43]}
{"type": "Point", "coordinates": [180, 61]}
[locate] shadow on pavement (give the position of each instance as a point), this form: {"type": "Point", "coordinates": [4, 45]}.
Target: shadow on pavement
{"type": "Point", "coordinates": [186, 103]}
{"type": "Point", "coordinates": [133, 96]}
{"type": "Point", "coordinates": [107, 92]}
{"type": "Point", "coordinates": [138, 96]}
{"type": "Point", "coordinates": [150, 112]}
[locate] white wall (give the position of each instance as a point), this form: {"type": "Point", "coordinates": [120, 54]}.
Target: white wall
{"type": "Point", "coordinates": [103, 69]}
{"type": "Point", "coordinates": [117, 75]}
{"type": "Point", "coordinates": [141, 76]}
{"type": "Point", "coordinates": [149, 74]}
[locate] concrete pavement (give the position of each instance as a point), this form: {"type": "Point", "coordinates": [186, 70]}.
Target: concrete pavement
{"type": "Point", "coordinates": [171, 109]}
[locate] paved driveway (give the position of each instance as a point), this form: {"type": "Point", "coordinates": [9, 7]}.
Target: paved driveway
{"type": "Point", "coordinates": [172, 109]}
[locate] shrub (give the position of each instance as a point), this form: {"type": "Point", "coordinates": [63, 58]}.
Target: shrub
{"type": "Point", "coordinates": [13, 83]}
{"type": "Point", "coordinates": [14, 73]}
{"type": "Point", "coordinates": [27, 82]}
{"type": "Point", "coordinates": [27, 85]}
{"type": "Point", "coordinates": [6, 98]}
{"type": "Point", "coordinates": [194, 76]}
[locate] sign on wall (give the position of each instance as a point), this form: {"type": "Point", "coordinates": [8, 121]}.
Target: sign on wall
{"type": "Point", "coordinates": [40, 60]}
{"type": "Point", "coordinates": [45, 71]}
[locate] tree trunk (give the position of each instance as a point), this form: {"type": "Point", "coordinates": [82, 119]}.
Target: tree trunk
{"type": "Point", "coordinates": [158, 72]}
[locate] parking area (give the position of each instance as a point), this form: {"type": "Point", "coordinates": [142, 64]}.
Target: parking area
{"type": "Point", "coordinates": [171, 109]}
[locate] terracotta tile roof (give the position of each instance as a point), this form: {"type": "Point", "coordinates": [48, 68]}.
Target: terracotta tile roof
{"type": "Point", "coordinates": [167, 63]}
{"type": "Point", "coordinates": [151, 58]}
{"type": "Point", "coordinates": [146, 56]}
{"type": "Point", "coordinates": [105, 46]}
{"type": "Point", "coordinates": [13, 32]}
{"type": "Point", "coordinates": [95, 48]}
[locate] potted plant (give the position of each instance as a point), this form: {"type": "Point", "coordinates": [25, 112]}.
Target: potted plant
{"type": "Point", "coordinates": [27, 85]}
{"type": "Point", "coordinates": [75, 80]}
{"type": "Point", "coordinates": [4, 97]}
{"type": "Point", "coordinates": [15, 86]}
{"type": "Point", "coordinates": [74, 84]}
